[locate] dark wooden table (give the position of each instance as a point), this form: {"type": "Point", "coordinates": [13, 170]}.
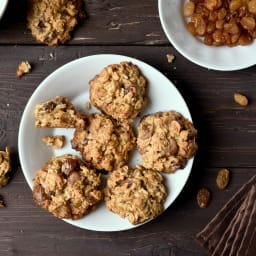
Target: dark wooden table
{"type": "Point", "coordinates": [227, 132]}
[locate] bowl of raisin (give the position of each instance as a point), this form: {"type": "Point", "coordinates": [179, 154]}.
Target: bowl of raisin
{"type": "Point", "coordinates": [215, 34]}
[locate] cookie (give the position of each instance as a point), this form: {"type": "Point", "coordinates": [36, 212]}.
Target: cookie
{"type": "Point", "coordinates": [166, 140]}
{"type": "Point", "coordinates": [66, 187]}
{"type": "Point", "coordinates": [58, 113]}
{"type": "Point", "coordinates": [56, 142]}
{"type": "Point", "coordinates": [104, 143]}
{"type": "Point", "coordinates": [136, 193]}
{"type": "Point", "coordinates": [119, 91]}
{"type": "Point", "coordinates": [51, 21]}
{"type": "Point", "coordinates": [5, 166]}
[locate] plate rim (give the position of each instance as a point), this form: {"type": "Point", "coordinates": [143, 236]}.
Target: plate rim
{"type": "Point", "coordinates": [45, 82]}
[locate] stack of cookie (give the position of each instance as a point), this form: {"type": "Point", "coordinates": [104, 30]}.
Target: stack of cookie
{"type": "Point", "coordinates": [165, 140]}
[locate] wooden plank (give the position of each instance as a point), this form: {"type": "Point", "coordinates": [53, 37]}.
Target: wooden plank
{"type": "Point", "coordinates": [108, 22]}
{"type": "Point", "coordinates": [28, 230]}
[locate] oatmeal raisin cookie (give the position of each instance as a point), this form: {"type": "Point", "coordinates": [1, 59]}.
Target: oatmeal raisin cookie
{"type": "Point", "coordinates": [5, 166]}
{"type": "Point", "coordinates": [119, 91]}
{"type": "Point", "coordinates": [51, 21]}
{"type": "Point", "coordinates": [66, 187]}
{"type": "Point", "coordinates": [136, 193]}
{"type": "Point", "coordinates": [104, 143]}
{"type": "Point", "coordinates": [58, 113]}
{"type": "Point", "coordinates": [166, 140]}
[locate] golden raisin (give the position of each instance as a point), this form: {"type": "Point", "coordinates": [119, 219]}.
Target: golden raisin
{"type": "Point", "coordinates": [188, 9]}
{"type": "Point", "coordinates": [222, 179]}
{"type": "Point", "coordinates": [241, 99]}
{"type": "Point", "coordinates": [203, 197]}
{"type": "Point", "coordinates": [248, 23]}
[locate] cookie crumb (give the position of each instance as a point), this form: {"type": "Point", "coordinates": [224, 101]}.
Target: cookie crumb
{"type": "Point", "coordinates": [240, 99]}
{"type": "Point", "coordinates": [2, 204]}
{"type": "Point", "coordinates": [88, 105]}
{"type": "Point", "coordinates": [170, 58]}
{"type": "Point", "coordinates": [5, 166]}
{"type": "Point", "coordinates": [55, 142]}
{"type": "Point", "coordinates": [24, 67]}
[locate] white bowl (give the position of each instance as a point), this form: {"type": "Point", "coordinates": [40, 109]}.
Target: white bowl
{"type": "Point", "coordinates": [3, 5]}
{"type": "Point", "coordinates": [218, 58]}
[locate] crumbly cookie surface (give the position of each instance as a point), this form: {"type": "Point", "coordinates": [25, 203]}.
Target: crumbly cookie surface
{"type": "Point", "coordinates": [119, 91]}
{"type": "Point", "coordinates": [51, 21]}
{"type": "Point", "coordinates": [66, 187]}
{"type": "Point", "coordinates": [104, 143]}
{"type": "Point", "coordinates": [136, 193]}
{"type": "Point", "coordinates": [166, 140]}
{"type": "Point", "coordinates": [58, 113]}
{"type": "Point", "coordinates": [55, 142]}
{"type": "Point", "coordinates": [5, 166]}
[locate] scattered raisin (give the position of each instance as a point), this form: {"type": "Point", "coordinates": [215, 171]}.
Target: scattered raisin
{"type": "Point", "coordinates": [203, 197]}
{"type": "Point", "coordinates": [222, 179]}
{"type": "Point", "coordinates": [240, 99]}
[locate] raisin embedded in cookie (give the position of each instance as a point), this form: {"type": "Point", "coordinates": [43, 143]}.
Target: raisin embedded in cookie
{"type": "Point", "coordinates": [51, 21]}
{"type": "Point", "coordinates": [66, 187]}
{"type": "Point", "coordinates": [136, 193]}
{"type": "Point", "coordinates": [166, 140]}
{"type": "Point", "coordinates": [104, 143]}
{"type": "Point", "coordinates": [119, 91]}
{"type": "Point", "coordinates": [5, 166]}
{"type": "Point", "coordinates": [58, 113]}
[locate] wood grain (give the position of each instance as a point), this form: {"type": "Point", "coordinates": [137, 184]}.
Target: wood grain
{"type": "Point", "coordinates": [226, 131]}
{"type": "Point", "coordinates": [108, 22]}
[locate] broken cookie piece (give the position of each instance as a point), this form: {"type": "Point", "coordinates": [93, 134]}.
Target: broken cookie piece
{"type": "Point", "coordinates": [58, 113]}
{"type": "Point", "coordinates": [5, 166]}
{"type": "Point", "coordinates": [23, 68]}
{"type": "Point", "coordinates": [51, 22]}
{"type": "Point", "coordinates": [55, 142]}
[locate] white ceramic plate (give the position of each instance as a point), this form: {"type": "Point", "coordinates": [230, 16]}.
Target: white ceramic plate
{"type": "Point", "coordinates": [72, 81]}
{"type": "Point", "coordinates": [3, 5]}
{"type": "Point", "coordinates": [218, 58]}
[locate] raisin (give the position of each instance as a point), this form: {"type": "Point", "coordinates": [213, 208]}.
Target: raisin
{"type": "Point", "coordinates": [240, 99]}
{"type": "Point", "coordinates": [222, 179]}
{"type": "Point", "coordinates": [203, 197]}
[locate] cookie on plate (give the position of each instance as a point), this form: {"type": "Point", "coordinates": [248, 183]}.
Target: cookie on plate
{"type": "Point", "coordinates": [136, 193]}
{"type": "Point", "coordinates": [166, 140]}
{"type": "Point", "coordinates": [51, 22]}
{"type": "Point", "coordinates": [104, 143]}
{"type": "Point", "coordinates": [119, 91]}
{"type": "Point", "coordinates": [5, 166]}
{"type": "Point", "coordinates": [66, 187]}
{"type": "Point", "coordinates": [58, 113]}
